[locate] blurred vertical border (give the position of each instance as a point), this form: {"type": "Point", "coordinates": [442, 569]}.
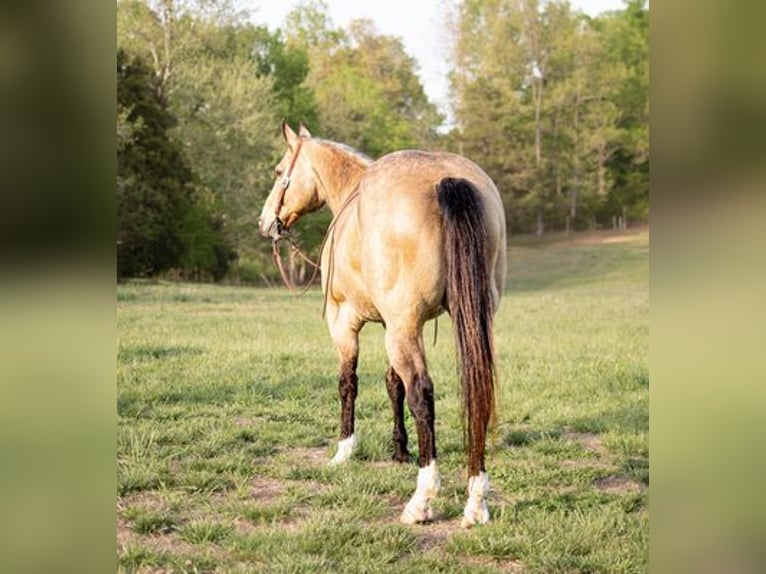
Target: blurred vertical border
{"type": "Point", "coordinates": [57, 318]}
{"type": "Point", "coordinates": [708, 287]}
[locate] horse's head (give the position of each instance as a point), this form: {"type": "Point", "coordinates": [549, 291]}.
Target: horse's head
{"type": "Point", "coordinates": [295, 191]}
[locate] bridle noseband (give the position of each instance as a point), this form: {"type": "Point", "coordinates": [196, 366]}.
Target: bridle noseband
{"type": "Point", "coordinates": [286, 179]}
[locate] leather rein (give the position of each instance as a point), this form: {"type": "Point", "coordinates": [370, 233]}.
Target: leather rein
{"type": "Point", "coordinates": [329, 235]}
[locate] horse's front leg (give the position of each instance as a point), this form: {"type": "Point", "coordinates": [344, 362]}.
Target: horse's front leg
{"type": "Point", "coordinates": [344, 328]}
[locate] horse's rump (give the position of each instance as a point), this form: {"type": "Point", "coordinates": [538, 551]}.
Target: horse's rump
{"type": "Point", "coordinates": [400, 227]}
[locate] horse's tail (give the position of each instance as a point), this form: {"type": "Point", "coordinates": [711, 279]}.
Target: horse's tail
{"type": "Point", "coordinates": [469, 301]}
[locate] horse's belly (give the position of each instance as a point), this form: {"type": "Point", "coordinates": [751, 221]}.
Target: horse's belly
{"type": "Point", "coordinates": [347, 287]}
{"type": "Point", "coordinates": [368, 311]}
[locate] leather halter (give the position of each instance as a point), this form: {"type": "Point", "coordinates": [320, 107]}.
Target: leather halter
{"type": "Point", "coordinates": [286, 179]}
{"type": "Point", "coordinates": [285, 184]}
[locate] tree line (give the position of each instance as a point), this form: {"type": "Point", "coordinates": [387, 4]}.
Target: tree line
{"type": "Point", "coordinates": [551, 103]}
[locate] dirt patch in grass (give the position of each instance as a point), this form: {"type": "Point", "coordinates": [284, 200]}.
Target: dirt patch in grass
{"type": "Point", "coordinates": [141, 502]}
{"type": "Point", "coordinates": [433, 535]}
{"type": "Point", "coordinates": [172, 545]}
{"type": "Point", "coordinates": [243, 526]}
{"type": "Point", "coordinates": [124, 532]}
{"type": "Point", "coordinates": [588, 441]}
{"type": "Point", "coordinates": [249, 422]}
{"type": "Point", "coordinates": [598, 237]}
{"type": "Point", "coordinates": [586, 463]}
{"type": "Point", "coordinates": [614, 483]}
{"type": "Point", "coordinates": [432, 538]}
{"type": "Point", "coordinates": [263, 488]}
{"type": "Point", "coordinates": [503, 565]}
{"type": "Point", "coordinates": [156, 542]}
{"type": "Point", "coordinates": [617, 484]}
{"type": "Point", "coordinates": [146, 500]}
{"type": "Point", "coordinates": [316, 457]}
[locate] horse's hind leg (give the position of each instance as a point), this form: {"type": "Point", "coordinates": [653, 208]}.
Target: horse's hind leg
{"type": "Point", "coordinates": [344, 328]}
{"type": "Point", "coordinates": [395, 388]}
{"type": "Point", "coordinates": [405, 352]}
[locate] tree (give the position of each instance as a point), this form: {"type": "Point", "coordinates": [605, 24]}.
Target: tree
{"type": "Point", "coordinates": [497, 86]}
{"type": "Point", "coordinates": [288, 67]}
{"type": "Point", "coordinates": [153, 179]}
{"type": "Point", "coordinates": [366, 87]}
{"type": "Point", "coordinates": [625, 35]}
{"type": "Point", "coordinates": [547, 101]}
{"type": "Point", "coordinates": [211, 70]}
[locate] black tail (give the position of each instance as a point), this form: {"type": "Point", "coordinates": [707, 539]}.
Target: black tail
{"type": "Point", "coordinates": [469, 301]}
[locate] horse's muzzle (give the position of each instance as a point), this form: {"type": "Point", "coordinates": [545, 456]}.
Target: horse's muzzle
{"type": "Point", "coordinates": [275, 230]}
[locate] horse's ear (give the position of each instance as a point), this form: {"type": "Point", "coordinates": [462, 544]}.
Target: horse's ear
{"type": "Point", "coordinates": [290, 136]}
{"type": "Point", "coordinates": [303, 131]}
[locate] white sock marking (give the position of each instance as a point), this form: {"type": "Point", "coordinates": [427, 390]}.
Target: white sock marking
{"type": "Point", "coordinates": [476, 510]}
{"type": "Point", "coordinates": [418, 509]}
{"type": "Point", "coordinates": [345, 450]}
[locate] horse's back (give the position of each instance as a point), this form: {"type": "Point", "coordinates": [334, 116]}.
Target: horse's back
{"type": "Point", "coordinates": [410, 178]}
{"type": "Point", "coordinates": [400, 225]}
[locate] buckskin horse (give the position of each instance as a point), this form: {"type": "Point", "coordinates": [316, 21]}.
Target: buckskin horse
{"type": "Point", "coordinates": [413, 234]}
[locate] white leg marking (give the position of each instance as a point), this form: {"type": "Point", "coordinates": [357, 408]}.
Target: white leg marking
{"type": "Point", "coordinates": [345, 450]}
{"type": "Point", "coordinates": [418, 509]}
{"type": "Point", "coordinates": [476, 511]}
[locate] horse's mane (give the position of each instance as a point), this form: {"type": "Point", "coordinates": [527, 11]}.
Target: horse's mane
{"type": "Point", "coordinates": [347, 149]}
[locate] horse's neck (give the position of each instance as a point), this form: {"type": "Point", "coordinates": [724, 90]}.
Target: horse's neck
{"type": "Point", "coordinates": [339, 172]}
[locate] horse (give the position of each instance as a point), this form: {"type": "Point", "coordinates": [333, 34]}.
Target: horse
{"type": "Point", "coordinates": [414, 234]}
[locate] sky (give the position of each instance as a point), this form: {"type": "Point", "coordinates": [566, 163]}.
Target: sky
{"type": "Point", "coordinates": [419, 23]}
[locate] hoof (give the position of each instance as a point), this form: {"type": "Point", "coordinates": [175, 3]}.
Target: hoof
{"type": "Point", "coordinates": [476, 511]}
{"type": "Point", "coordinates": [417, 512]}
{"type": "Point", "coordinates": [345, 450]}
{"type": "Point", "coordinates": [471, 518]}
{"type": "Point", "coordinates": [418, 509]}
{"type": "Point", "coordinates": [401, 457]}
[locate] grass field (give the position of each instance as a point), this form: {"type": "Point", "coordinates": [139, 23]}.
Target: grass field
{"type": "Point", "coordinates": [228, 414]}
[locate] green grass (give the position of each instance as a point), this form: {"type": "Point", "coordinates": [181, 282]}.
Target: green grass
{"type": "Point", "coordinates": [228, 413]}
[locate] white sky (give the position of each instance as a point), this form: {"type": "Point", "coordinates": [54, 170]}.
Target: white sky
{"type": "Point", "coordinates": [419, 23]}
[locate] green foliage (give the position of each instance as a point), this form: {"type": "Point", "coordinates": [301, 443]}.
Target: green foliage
{"type": "Point", "coordinates": [365, 84]}
{"type": "Point", "coordinates": [154, 182]}
{"type": "Point", "coordinates": [164, 220]}
{"type": "Point", "coordinates": [288, 66]}
{"type": "Point", "coordinates": [205, 66]}
{"type": "Point", "coordinates": [626, 36]}
{"type": "Point", "coordinates": [554, 105]}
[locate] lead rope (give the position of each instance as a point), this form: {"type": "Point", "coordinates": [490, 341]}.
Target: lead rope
{"type": "Point", "coordinates": [278, 260]}
{"type": "Point", "coordinates": [329, 234]}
